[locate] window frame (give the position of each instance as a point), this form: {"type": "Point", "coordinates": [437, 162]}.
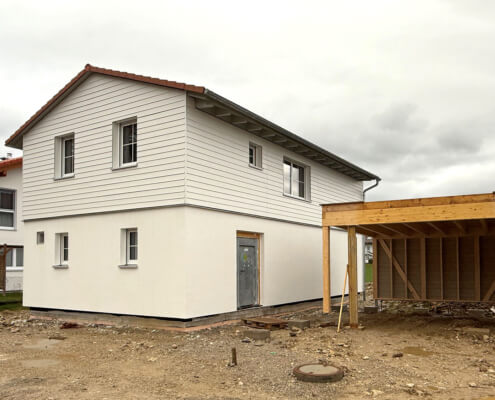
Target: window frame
{"type": "Point", "coordinates": [14, 266]}
{"type": "Point", "coordinates": [12, 211]}
{"type": "Point", "coordinates": [306, 182]}
{"type": "Point", "coordinates": [122, 125]}
{"type": "Point", "coordinates": [128, 259]}
{"type": "Point", "coordinates": [62, 247]}
{"type": "Point", "coordinates": [63, 156]}
{"type": "Point", "coordinates": [257, 155]}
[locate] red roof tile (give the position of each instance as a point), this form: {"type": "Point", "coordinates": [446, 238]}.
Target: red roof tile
{"type": "Point", "coordinates": [10, 163]}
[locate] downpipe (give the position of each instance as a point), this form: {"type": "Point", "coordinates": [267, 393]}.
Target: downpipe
{"type": "Point", "coordinates": [377, 182]}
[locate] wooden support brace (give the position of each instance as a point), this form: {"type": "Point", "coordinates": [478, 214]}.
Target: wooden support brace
{"type": "Point", "coordinates": [398, 268]}
{"type": "Point", "coordinates": [477, 267]}
{"type": "Point", "coordinates": [490, 292]}
{"type": "Point", "coordinates": [326, 270]}
{"type": "Point", "coordinates": [353, 281]}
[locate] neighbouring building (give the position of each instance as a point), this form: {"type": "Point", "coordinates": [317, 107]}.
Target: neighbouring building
{"type": "Point", "coordinates": [150, 197]}
{"type": "Point", "coordinates": [11, 225]}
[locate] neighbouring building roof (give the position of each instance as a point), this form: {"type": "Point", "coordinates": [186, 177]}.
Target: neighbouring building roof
{"type": "Point", "coordinates": [217, 106]}
{"type": "Point", "coordinates": [10, 163]}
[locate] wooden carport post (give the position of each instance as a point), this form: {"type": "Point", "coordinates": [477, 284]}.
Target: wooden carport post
{"type": "Point", "coordinates": [353, 279]}
{"type": "Point", "coordinates": [326, 270]}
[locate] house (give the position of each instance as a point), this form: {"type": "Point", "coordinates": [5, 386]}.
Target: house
{"type": "Point", "coordinates": [11, 225]}
{"type": "Point", "coordinates": [155, 198]}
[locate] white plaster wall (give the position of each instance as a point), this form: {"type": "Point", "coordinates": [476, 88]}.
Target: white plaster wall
{"type": "Point", "coordinates": [93, 281]}
{"type": "Point", "coordinates": [14, 279]}
{"type": "Point", "coordinates": [291, 261]}
{"type": "Point", "coordinates": [187, 263]}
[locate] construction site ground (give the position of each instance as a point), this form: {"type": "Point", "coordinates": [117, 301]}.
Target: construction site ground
{"type": "Point", "coordinates": [402, 352]}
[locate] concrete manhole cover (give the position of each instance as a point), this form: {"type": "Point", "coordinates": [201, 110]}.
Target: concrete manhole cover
{"type": "Point", "coordinates": [316, 372]}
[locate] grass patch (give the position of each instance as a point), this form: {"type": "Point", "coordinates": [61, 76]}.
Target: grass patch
{"type": "Point", "coordinates": [368, 273]}
{"type": "Point", "coordinates": [11, 301]}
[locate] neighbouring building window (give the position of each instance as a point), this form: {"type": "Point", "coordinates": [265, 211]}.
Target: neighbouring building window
{"type": "Point", "coordinates": [68, 155]}
{"type": "Point", "coordinates": [254, 155]}
{"type": "Point", "coordinates": [7, 208]}
{"type": "Point", "coordinates": [128, 143]}
{"type": "Point", "coordinates": [295, 179]}
{"type": "Point", "coordinates": [15, 258]}
{"type": "Point", "coordinates": [131, 246]}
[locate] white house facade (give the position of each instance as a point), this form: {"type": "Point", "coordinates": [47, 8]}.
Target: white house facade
{"type": "Point", "coordinates": [11, 225]}
{"type": "Point", "coordinates": [154, 198]}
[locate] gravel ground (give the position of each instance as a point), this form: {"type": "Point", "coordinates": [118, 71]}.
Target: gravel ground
{"type": "Point", "coordinates": [398, 355]}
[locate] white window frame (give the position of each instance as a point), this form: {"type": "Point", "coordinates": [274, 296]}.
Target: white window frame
{"type": "Point", "coordinates": [63, 156]}
{"type": "Point", "coordinates": [128, 259]}
{"type": "Point", "coordinates": [257, 155]}
{"type": "Point", "coordinates": [307, 177]}
{"type": "Point", "coordinates": [10, 211]}
{"type": "Point", "coordinates": [121, 143]}
{"type": "Point", "coordinates": [14, 265]}
{"type": "Point", "coordinates": [62, 236]}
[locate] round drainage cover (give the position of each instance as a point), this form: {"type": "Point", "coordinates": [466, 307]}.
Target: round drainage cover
{"type": "Point", "coordinates": [316, 372]}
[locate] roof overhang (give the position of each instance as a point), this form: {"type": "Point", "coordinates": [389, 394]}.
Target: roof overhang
{"type": "Point", "coordinates": [234, 114]}
{"type": "Point", "coordinates": [434, 216]}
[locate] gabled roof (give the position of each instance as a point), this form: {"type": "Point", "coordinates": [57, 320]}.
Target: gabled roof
{"type": "Point", "coordinates": [215, 105]}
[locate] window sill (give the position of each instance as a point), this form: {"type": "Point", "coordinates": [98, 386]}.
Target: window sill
{"type": "Point", "coordinates": [61, 266]}
{"type": "Point", "coordinates": [61, 178]}
{"type": "Point", "coordinates": [297, 198]}
{"type": "Point", "coordinates": [128, 266]}
{"type": "Point", "coordinates": [7, 228]}
{"type": "Point", "coordinates": [125, 166]}
{"type": "Point", "coordinates": [256, 167]}
{"type": "Point", "coordinates": [14, 269]}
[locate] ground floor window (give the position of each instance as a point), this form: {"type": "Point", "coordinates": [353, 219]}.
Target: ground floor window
{"type": "Point", "coordinates": [131, 246]}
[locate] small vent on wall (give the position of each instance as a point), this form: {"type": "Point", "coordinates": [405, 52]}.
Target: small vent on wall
{"type": "Point", "coordinates": [40, 237]}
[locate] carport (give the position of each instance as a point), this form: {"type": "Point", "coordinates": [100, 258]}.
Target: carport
{"type": "Point", "coordinates": [425, 249]}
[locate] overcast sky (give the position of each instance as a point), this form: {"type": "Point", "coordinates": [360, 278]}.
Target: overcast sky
{"type": "Point", "coordinates": [405, 89]}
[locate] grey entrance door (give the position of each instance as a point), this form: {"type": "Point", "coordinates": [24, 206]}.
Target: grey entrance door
{"type": "Point", "coordinates": [247, 272]}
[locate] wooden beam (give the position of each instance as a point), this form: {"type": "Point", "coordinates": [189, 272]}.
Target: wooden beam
{"type": "Point", "coordinates": [398, 268]}
{"type": "Point", "coordinates": [375, 268]}
{"type": "Point", "coordinates": [423, 266]}
{"type": "Point", "coordinates": [380, 230]}
{"type": "Point", "coordinates": [405, 269]}
{"type": "Point", "coordinates": [490, 292]}
{"type": "Point", "coordinates": [477, 267]}
{"type": "Point", "coordinates": [364, 231]}
{"type": "Point", "coordinates": [204, 104]}
{"type": "Point", "coordinates": [353, 280]}
{"type": "Point", "coordinates": [484, 225]}
{"type": "Point", "coordinates": [436, 226]}
{"type": "Point", "coordinates": [460, 226]}
{"type": "Point", "coordinates": [326, 270]}
{"type": "Point", "coordinates": [391, 263]}
{"type": "Point", "coordinates": [400, 229]}
{"type": "Point", "coordinates": [457, 268]}
{"type": "Point", "coordinates": [441, 269]}
{"type": "Point", "coordinates": [269, 135]}
{"type": "Point", "coordinates": [446, 212]}
{"type": "Point", "coordinates": [418, 227]}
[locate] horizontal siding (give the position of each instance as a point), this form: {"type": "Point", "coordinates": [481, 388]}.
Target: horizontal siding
{"type": "Point", "coordinates": [218, 174]}
{"type": "Point", "coordinates": [89, 112]}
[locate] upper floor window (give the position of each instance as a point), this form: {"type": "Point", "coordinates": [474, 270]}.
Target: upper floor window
{"type": "Point", "coordinates": [296, 177]}
{"type": "Point", "coordinates": [64, 156]}
{"type": "Point", "coordinates": [68, 155]}
{"type": "Point", "coordinates": [254, 155]}
{"type": "Point", "coordinates": [128, 143]}
{"type": "Point", "coordinates": [7, 208]}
